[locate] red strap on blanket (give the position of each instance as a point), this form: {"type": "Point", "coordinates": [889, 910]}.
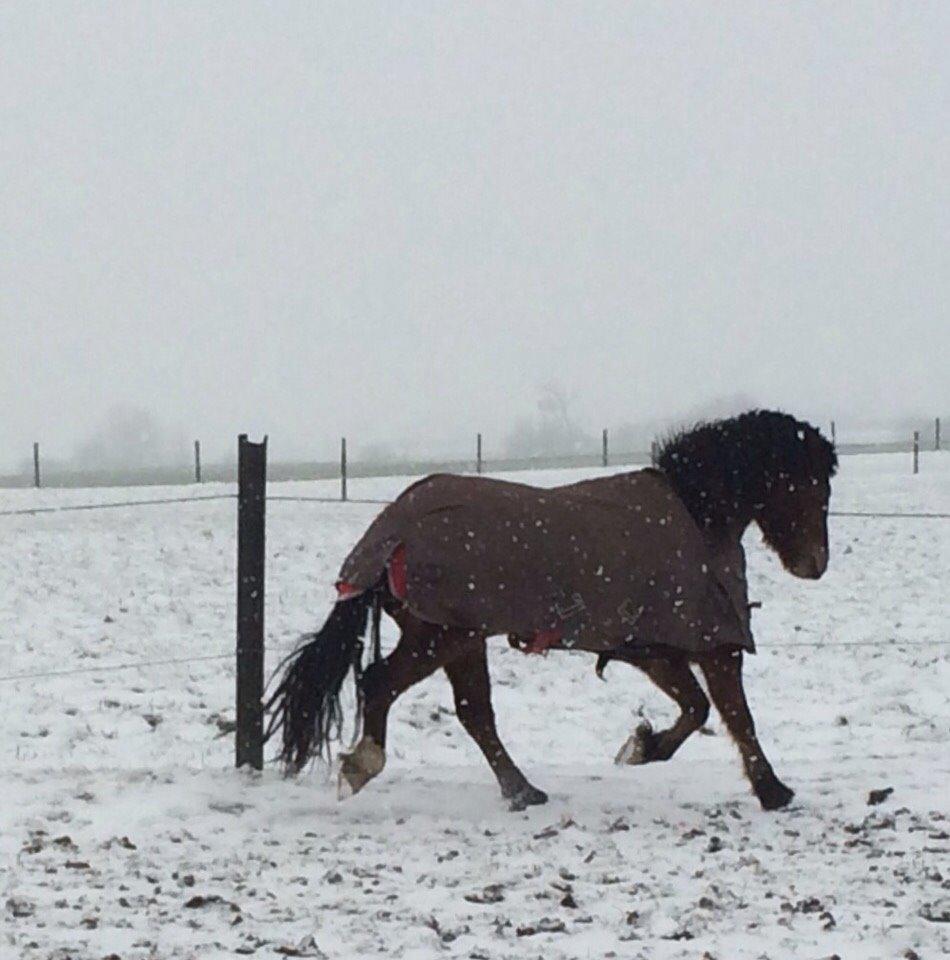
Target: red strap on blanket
{"type": "Point", "coordinates": [542, 640]}
{"type": "Point", "coordinates": [397, 571]}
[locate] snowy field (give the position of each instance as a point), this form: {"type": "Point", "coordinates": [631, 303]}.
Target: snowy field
{"type": "Point", "coordinates": [125, 832]}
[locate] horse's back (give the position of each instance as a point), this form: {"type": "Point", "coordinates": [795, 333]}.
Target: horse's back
{"type": "Point", "coordinates": [602, 561]}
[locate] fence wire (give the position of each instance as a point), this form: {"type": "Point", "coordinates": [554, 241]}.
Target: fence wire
{"type": "Point", "coordinates": [146, 664]}
{"type": "Point", "coordinates": [832, 513]}
{"type": "Point", "coordinates": [293, 499]}
{"type": "Point", "coordinates": [112, 505]}
{"type": "Point", "coordinates": [113, 667]}
{"type": "Point", "coordinates": [888, 516]}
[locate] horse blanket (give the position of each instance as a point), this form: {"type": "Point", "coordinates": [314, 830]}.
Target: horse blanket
{"type": "Point", "coordinates": [592, 565]}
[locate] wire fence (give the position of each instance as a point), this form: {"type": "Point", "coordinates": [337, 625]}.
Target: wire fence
{"type": "Point", "coordinates": [113, 667]}
{"type": "Point", "coordinates": [338, 500]}
{"type": "Point", "coordinates": [629, 451]}
{"type": "Point", "coordinates": [832, 513]}
{"type": "Point", "coordinates": [378, 501]}
{"type": "Point", "coordinates": [173, 661]}
{"type": "Point", "coordinates": [287, 498]}
{"type": "Point", "coordinates": [112, 505]}
{"type": "Point", "coordinates": [889, 515]}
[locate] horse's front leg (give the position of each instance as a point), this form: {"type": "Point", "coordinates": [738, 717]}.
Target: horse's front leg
{"type": "Point", "coordinates": [723, 672]}
{"type": "Point", "coordinates": [674, 677]}
{"type": "Point", "coordinates": [471, 687]}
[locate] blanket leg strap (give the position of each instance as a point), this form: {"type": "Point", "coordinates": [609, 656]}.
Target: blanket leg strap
{"type": "Point", "coordinates": [543, 640]}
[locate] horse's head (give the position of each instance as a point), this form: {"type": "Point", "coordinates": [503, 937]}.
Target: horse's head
{"type": "Point", "coordinates": [793, 511]}
{"type": "Point", "coordinates": [762, 466]}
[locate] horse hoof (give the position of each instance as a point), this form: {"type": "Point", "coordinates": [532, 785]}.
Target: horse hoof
{"type": "Point", "coordinates": [638, 747]}
{"type": "Point", "coordinates": [359, 767]}
{"type": "Point", "coordinates": [344, 789]}
{"type": "Point", "coordinates": [527, 797]}
{"type": "Point", "coordinates": [774, 795]}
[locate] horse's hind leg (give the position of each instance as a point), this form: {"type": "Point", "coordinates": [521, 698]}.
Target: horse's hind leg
{"type": "Point", "coordinates": [471, 686]}
{"type": "Point", "coordinates": [676, 680]}
{"type": "Point", "coordinates": [723, 672]}
{"type": "Point", "coordinates": [421, 650]}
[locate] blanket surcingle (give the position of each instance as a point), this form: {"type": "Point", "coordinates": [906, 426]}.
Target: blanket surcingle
{"type": "Point", "coordinates": [591, 565]}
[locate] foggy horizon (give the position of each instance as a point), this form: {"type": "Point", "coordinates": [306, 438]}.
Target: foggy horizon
{"type": "Point", "coordinates": [404, 225]}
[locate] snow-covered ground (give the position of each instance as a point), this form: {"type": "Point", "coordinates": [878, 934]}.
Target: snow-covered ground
{"type": "Point", "coordinates": [125, 832]}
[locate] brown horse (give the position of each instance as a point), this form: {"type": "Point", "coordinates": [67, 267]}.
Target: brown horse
{"type": "Point", "coordinates": [706, 487]}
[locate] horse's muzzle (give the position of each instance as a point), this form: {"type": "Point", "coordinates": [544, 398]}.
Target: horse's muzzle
{"type": "Point", "coordinates": [811, 566]}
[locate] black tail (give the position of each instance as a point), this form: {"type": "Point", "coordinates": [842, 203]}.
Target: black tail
{"type": "Point", "coordinates": [306, 704]}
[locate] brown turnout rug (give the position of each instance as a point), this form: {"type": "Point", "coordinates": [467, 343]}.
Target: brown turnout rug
{"type": "Point", "coordinates": [590, 565]}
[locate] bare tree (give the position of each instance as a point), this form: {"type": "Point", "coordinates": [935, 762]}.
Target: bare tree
{"type": "Point", "coordinates": [130, 438]}
{"type": "Point", "coordinates": [552, 431]}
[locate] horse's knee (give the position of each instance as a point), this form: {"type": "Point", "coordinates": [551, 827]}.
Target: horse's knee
{"type": "Point", "coordinates": [471, 715]}
{"type": "Point", "coordinates": [698, 710]}
{"type": "Point", "coordinates": [465, 712]}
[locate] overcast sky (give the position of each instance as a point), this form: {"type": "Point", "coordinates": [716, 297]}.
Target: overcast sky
{"type": "Point", "coordinates": [398, 220]}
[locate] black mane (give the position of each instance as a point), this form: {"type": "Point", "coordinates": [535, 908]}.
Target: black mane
{"type": "Point", "coordinates": [723, 469]}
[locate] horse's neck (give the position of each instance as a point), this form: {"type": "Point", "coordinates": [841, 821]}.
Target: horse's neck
{"type": "Point", "coordinates": [726, 541]}
{"type": "Point", "coordinates": [727, 559]}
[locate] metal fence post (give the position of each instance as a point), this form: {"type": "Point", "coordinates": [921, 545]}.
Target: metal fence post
{"type": "Point", "coordinates": [252, 493]}
{"type": "Point", "coordinates": [343, 468]}
{"type": "Point", "coordinates": [916, 451]}
{"type": "Point", "coordinates": [197, 461]}
{"type": "Point", "coordinates": [833, 438]}
{"type": "Point", "coordinates": [937, 433]}
{"type": "Point", "coordinates": [36, 465]}
{"type": "Point", "coordinates": [478, 453]}
{"type": "Point", "coordinates": [605, 457]}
